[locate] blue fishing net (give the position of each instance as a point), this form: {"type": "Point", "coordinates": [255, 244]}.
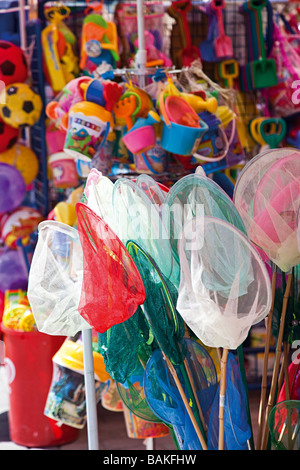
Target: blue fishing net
{"type": "Point", "coordinates": [236, 426]}
{"type": "Point", "coordinates": [163, 396]}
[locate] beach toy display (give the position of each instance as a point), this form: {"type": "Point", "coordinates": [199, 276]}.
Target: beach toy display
{"type": "Point", "coordinates": [88, 127]}
{"type": "Point", "coordinates": [71, 94]}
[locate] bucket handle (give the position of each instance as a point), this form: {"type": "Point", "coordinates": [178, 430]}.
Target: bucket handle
{"type": "Point", "coordinates": [227, 142]}
{"type": "Point", "coordinates": [163, 109]}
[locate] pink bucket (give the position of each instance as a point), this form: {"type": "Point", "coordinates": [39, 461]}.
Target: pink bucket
{"type": "Point", "coordinates": [64, 170]}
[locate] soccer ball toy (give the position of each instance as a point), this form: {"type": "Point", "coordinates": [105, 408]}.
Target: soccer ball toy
{"type": "Point", "coordinates": [20, 105]}
{"type": "Point", "coordinates": [13, 66]}
{"type": "Point", "coordinates": [8, 136]}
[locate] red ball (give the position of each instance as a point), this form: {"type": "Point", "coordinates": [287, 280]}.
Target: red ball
{"type": "Point", "coordinates": [13, 65]}
{"type": "Point", "coordinates": [8, 136]}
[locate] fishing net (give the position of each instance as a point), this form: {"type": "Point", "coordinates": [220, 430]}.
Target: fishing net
{"type": "Point", "coordinates": [236, 426]}
{"type": "Point", "coordinates": [133, 396]}
{"type": "Point", "coordinates": [224, 285]}
{"type": "Point", "coordinates": [267, 196]}
{"type": "Point", "coordinates": [55, 279]}
{"type": "Point", "coordinates": [159, 308]}
{"type": "Point", "coordinates": [140, 221]}
{"type": "Point", "coordinates": [284, 425]}
{"type": "Point", "coordinates": [196, 196]}
{"type": "Point", "coordinates": [112, 288]}
{"type": "Point", "coordinates": [156, 192]}
{"type": "Point", "coordinates": [164, 399]}
{"type": "Point", "coordinates": [124, 345]}
{"type": "Point", "coordinates": [99, 199]}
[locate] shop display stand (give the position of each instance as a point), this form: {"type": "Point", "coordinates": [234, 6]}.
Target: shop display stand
{"type": "Point", "coordinates": [36, 138]}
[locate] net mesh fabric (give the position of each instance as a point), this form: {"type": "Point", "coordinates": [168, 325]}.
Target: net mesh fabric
{"type": "Point", "coordinates": [124, 345]}
{"type": "Point", "coordinates": [55, 280]}
{"type": "Point", "coordinates": [99, 199]}
{"type": "Point", "coordinates": [267, 196]}
{"type": "Point", "coordinates": [284, 425]}
{"type": "Point", "coordinates": [112, 288]}
{"type": "Point", "coordinates": [196, 196]}
{"type": "Point", "coordinates": [139, 220]}
{"type": "Point", "coordinates": [163, 397]}
{"type": "Point", "coordinates": [159, 306]}
{"type": "Point", "coordinates": [133, 396]}
{"type": "Point", "coordinates": [236, 427]}
{"type": "Point", "coordinates": [152, 189]}
{"type": "Point", "coordinates": [224, 285]}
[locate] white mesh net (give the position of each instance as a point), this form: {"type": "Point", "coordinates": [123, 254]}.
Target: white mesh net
{"type": "Point", "coordinates": [55, 280]}
{"type": "Point", "coordinates": [224, 285]}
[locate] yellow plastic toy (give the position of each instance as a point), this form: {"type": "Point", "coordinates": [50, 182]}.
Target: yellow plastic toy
{"type": "Point", "coordinates": [70, 355]}
{"type": "Point", "coordinates": [60, 60]}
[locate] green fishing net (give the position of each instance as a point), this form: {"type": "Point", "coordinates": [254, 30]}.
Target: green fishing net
{"type": "Point", "coordinates": [196, 196]}
{"type": "Point", "coordinates": [124, 345]}
{"type": "Point", "coordinates": [133, 396]}
{"type": "Point", "coordinates": [159, 309]}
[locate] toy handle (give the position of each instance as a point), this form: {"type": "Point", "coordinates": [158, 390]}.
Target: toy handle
{"type": "Point", "coordinates": [163, 109]}
{"type": "Point", "coordinates": [218, 6]}
{"type": "Point", "coordinates": [227, 143]}
{"type": "Point", "coordinates": [278, 135]}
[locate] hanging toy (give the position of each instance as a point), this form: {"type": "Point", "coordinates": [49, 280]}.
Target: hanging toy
{"type": "Point", "coordinates": [60, 61]}
{"type": "Point", "coordinates": [99, 43]}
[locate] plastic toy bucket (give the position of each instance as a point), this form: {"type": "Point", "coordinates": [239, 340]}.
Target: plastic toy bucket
{"type": "Point", "coordinates": [88, 126]}
{"type": "Point", "coordinates": [64, 170]}
{"type": "Point", "coordinates": [177, 138]}
{"type": "Point", "coordinates": [154, 161]}
{"type": "Point", "coordinates": [140, 139]}
{"type": "Point", "coordinates": [28, 360]}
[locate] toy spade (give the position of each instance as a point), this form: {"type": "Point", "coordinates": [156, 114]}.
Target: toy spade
{"type": "Point", "coordinates": [263, 70]}
{"type": "Point", "coordinates": [274, 137]}
{"type": "Point", "coordinates": [229, 71]}
{"type": "Point", "coordinates": [223, 43]}
{"type": "Point", "coordinates": [207, 49]}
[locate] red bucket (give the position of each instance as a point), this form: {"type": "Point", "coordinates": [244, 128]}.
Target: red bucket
{"type": "Point", "coordinates": [28, 358]}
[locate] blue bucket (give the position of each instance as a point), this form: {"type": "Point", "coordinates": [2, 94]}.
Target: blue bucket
{"type": "Point", "coordinates": [182, 140]}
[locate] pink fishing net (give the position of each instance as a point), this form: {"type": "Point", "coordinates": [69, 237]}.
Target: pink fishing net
{"type": "Point", "coordinates": [267, 196]}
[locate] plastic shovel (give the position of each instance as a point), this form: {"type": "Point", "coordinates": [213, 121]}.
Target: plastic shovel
{"type": "Point", "coordinates": [263, 70]}
{"type": "Point", "coordinates": [190, 52]}
{"type": "Point", "coordinates": [223, 43]}
{"type": "Point", "coordinates": [229, 71]}
{"type": "Point", "coordinates": [273, 131]}
{"type": "Point", "coordinates": [207, 48]}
